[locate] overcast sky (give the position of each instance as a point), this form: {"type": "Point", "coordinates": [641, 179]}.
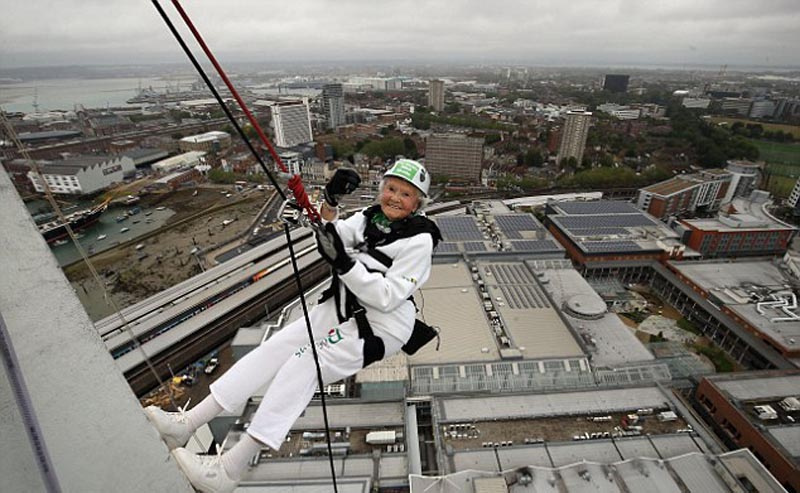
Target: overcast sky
{"type": "Point", "coordinates": [682, 32]}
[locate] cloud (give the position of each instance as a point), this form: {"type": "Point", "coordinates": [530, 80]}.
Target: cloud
{"type": "Point", "coordinates": [734, 32]}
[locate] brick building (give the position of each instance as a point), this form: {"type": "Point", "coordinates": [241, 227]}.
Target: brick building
{"type": "Point", "coordinates": [454, 155]}
{"type": "Point", "coordinates": [602, 231]}
{"type": "Point", "coordinates": [743, 229]}
{"type": "Point", "coordinates": [750, 411]}
{"type": "Point", "coordinates": [685, 194]}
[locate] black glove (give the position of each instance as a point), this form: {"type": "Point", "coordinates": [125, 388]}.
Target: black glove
{"type": "Point", "coordinates": [330, 246]}
{"type": "Point", "coordinates": [344, 181]}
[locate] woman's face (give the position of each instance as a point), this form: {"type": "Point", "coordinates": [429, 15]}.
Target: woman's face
{"type": "Point", "coordinates": [399, 198]}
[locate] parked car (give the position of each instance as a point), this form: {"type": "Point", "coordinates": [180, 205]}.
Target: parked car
{"type": "Point", "coordinates": [212, 365]}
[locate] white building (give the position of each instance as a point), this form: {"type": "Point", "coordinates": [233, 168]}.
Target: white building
{"type": "Point", "coordinates": [795, 195]}
{"type": "Point", "coordinates": [206, 142]}
{"type": "Point", "coordinates": [83, 174]}
{"type": "Point", "coordinates": [701, 103]}
{"type": "Point", "coordinates": [292, 160]}
{"type": "Point", "coordinates": [185, 160]}
{"type": "Point", "coordinates": [620, 112]}
{"type": "Point", "coordinates": [292, 123]}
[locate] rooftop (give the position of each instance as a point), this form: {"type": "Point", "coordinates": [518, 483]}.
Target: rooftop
{"type": "Point", "coordinates": [750, 215]}
{"type": "Point", "coordinates": [692, 472]}
{"type": "Point", "coordinates": [758, 291]}
{"type": "Point", "coordinates": [609, 341]}
{"type": "Point", "coordinates": [611, 227]}
{"type": "Point", "coordinates": [671, 186]}
{"type": "Point", "coordinates": [206, 137]}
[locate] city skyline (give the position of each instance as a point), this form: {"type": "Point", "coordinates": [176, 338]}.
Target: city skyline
{"type": "Point", "coordinates": [623, 32]}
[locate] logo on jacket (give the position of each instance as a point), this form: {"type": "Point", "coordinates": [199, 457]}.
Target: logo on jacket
{"type": "Point", "coordinates": [334, 336]}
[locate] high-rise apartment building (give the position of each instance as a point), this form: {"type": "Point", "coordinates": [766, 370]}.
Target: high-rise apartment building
{"type": "Point", "coordinates": [292, 123]}
{"type": "Point", "coordinates": [616, 82]}
{"type": "Point", "coordinates": [333, 104]}
{"type": "Point", "coordinates": [436, 95]}
{"type": "Point", "coordinates": [454, 155]}
{"type": "Point", "coordinates": [573, 137]}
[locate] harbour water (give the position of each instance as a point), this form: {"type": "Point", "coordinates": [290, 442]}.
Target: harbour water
{"type": "Point", "coordinates": [108, 226]}
{"type": "Point", "coordinates": [64, 94]}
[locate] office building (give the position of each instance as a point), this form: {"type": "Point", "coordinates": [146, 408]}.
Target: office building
{"type": "Point", "coordinates": [436, 95]}
{"type": "Point", "coordinates": [684, 194]}
{"type": "Point", "coordinates": [757, 411]}
{"type": "Point", "coordinates": [207, 142]}
{"type": "Point", "coordinates": [739, 106]}
{"type": "Point", "coordinates": [291, 121]}
{"type": "Point", "coordinates": [82, 175]}
{"type": "Point", "coordinates": [573, 137]}
{"type": "Point", "coordinates": [454, 155]}
{"type": "Point", "coordinates": [333, 105]}
{"type": "Point", "coordinates": [616, 82]}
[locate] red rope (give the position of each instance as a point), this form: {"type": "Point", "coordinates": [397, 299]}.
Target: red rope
{"type": "Point", "coordinates": [297, 190]}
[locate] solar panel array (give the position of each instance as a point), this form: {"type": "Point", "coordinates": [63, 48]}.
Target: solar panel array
{"type": "Point", "coordinates": [535, 246]}
{"type": "Point", "coordinates": [597, 207]}
{"type": "Point", "coordinates": [511, 274]}
{"type": "Point", "coordinates": [445, 247]}
{"type": "Point", "coordinates": [599, 231]}
{"type": "Point", "coordinates": [512, 224]}
{"type": "Point", "coordinates": [609, 221]}
{"type": "Point", "coordinates": [524, 297]}
{"type": "Point", "coordinates": [610, 246]}
{"type": "Point", "coordinates": [474, 246]}
{"type": "Point", "coordinates": [458, 228]}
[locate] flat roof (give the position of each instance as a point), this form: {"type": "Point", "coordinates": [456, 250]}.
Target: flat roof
{"type": "Point", "coordinates": [450, 301]}
{"type": "Point", "coordinates": [673, 185]}
{"type": "Point", "coordinates": [208, 136]}
{"type": "Point", "coordinates": [529, 317]}
{"type": "Point", "coordinates": [788, 437]}
{"type": "Point", "coordinates": [460, 409]}
{"type": "Point", "coordinates": [354, 414]}
{"type": "Point", "coordinates": [606, 227]}
{"type": "Point", "coordinates": [745, 287]}
{"type": "Point", "coordinates": [749, 216]}
{"type": "Point", "coordinates": [746, 388]}
{"type": "Point", "coordinates": [609, 341]}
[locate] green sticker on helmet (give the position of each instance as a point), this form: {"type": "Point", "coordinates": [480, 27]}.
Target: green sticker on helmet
{"type": "Point", "coordinates": [405, 169]}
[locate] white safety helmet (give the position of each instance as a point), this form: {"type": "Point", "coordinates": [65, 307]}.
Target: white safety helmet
{"type": "Point", "coordinates": [412, 172]}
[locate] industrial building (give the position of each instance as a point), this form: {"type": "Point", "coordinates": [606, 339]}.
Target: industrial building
{"type": "Point", "coordinates": [174, 163]}
{"type": "Point", "coordinates": [684, 194]}
{"type": "Point", "coordinates": [758, 412]}
{"type": "Point", "coordinates": [603, 231]}
{"type": "Point", "coordinates": [82, 175]}
{"type": "Point", "coordinates": [455, 156]}
{"type": "Point", "coordinates": [743, 228]}
{"type": "Point", "coordinates": [207, 142]}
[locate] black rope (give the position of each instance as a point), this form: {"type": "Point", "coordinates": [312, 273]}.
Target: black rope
{"type": "Point", "coordinates": [289, 241]}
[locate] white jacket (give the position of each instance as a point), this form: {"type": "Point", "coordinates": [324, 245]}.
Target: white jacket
{"type": "Point", "coordinates": [384, 292]}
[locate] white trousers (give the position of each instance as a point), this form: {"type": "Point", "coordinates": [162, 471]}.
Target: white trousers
{"type": "Point", "coordinates": [286, 363]}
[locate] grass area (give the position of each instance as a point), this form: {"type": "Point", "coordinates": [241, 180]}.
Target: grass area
{"type": "Point", "coordinates": [780, 186]}
{"type": "Point", "coordinates": [722, 362]}
{"type": "Point", "coordinates": [688, 326]}
{"type": "Point", "coordinates": [778, 153]}
{"type": "Point", "coordinates": [792, 129]}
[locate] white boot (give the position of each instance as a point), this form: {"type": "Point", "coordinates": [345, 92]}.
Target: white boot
{"type": "Point", "coordinates": [174, 428]}
{"type": "Point", "coordinates": [205, 472]}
